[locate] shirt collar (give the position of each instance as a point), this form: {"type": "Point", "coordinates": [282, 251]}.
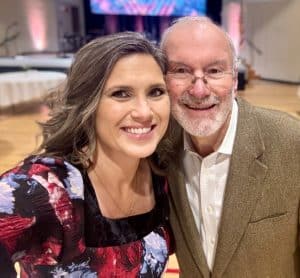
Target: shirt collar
{"type": "Point", "coordinates": [227, 143]}
{"type": "Point", "coordinates": [226, 146]}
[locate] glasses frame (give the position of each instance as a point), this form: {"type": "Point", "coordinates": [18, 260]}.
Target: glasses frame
{"type": "Point", "coordinates": [205, 78]}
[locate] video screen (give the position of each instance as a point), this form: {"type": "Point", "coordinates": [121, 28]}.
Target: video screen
{"type": "Point", "coordinates": [149, 7]}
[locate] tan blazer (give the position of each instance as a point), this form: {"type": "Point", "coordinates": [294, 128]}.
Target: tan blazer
{"type": "Point", "coordinates": [259, 229]}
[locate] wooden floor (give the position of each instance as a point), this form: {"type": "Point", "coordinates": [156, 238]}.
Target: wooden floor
{"type": "Point", "coordinates": [18, 132]}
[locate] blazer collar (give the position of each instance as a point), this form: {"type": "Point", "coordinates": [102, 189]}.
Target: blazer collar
{"type": "Point", "coordinates": [244, 185]}
{"type": "Point", "coordinates": [186, 220]}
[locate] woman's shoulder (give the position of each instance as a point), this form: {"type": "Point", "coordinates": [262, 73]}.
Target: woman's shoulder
{"type": "Point", "coordinates": [47, 172]}
{"type": "Point", "coordinates": [40, 205]}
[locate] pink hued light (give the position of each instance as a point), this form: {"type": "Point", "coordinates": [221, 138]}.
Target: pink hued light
{"type": "Point", "coordinates": [37, 26]}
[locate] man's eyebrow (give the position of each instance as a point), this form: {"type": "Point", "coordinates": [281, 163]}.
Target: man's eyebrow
{"type": "Point", "coordinates": [215, 62]}
{"type": "Point", "coordinates": [170, 63]}
{"type": "Point", "coordinates": [218, 62]}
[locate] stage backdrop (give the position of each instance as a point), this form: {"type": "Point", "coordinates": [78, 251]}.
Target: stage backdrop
{"type": "Point", "coordinates": [149, 7]}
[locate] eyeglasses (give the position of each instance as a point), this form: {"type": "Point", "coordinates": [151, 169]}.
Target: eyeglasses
{"type": "Point", "coordinates": [212, 76]}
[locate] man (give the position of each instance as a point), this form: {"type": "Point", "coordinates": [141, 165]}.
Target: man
{"type": "Point", "coordinates": [235, 175]}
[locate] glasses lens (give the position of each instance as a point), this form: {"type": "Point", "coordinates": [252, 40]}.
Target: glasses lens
{"type": "Point", "coordinates": [180, 78]}
{"type": "Point", "coordinates": [213, 79]}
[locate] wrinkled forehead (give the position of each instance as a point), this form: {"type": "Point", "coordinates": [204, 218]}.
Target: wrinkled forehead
{"type": "Point", "coordinates": [197, 38]}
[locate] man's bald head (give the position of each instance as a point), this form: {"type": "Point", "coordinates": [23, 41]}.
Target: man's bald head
{"type": "Point", "coordinates": [202, 23]}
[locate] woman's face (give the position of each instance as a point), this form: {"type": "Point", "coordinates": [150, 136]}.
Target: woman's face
{"type": "Point", "coordinates": [133, 112]}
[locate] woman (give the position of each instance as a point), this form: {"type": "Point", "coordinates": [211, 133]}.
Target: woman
{"type": "Point", "coordinates": [91, 203]}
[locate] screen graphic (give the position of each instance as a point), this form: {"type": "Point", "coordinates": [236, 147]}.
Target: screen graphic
{"type": "Point", "coordinates": [149, 7]}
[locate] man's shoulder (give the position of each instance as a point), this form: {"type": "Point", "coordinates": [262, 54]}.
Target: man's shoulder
{"type": "Point", "coordinates": [272, 119]}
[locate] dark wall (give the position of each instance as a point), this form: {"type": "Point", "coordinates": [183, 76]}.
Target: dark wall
{"type": "Point", "coordinates": [213, 10]}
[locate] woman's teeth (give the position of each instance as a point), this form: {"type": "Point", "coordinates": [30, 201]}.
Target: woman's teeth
{"type": "Point", "coordinates": [138, 130]}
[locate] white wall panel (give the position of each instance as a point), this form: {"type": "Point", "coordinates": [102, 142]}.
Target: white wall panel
{"type": "Point", "coordinates": [274, 28]}
{"type": "Point", "coordinates": [38, 24]}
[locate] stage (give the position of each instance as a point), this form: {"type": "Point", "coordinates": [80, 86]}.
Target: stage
{"type": "Point", "coordinates": [38, 62]}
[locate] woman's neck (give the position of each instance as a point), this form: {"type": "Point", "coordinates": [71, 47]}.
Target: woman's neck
{"type": "Point", "coordinates": [117, 170]}
{"type": "Point", "coordinates": [122, 189]}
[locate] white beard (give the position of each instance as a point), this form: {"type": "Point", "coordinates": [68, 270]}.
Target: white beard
{"type": "Point", "coordinates": [204, 127]}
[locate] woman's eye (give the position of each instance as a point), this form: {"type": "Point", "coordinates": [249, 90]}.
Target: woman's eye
{"type": "Point", "coordinates": [120, 94]}
{"type": "Point", "coordinates": [156, 92]}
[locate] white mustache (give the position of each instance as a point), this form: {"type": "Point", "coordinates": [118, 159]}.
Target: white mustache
{"type": "Point", "coordinates": [195, 102]}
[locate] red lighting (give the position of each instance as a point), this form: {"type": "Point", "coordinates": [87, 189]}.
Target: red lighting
{"type": "Point", "coordinates": [37, 24]}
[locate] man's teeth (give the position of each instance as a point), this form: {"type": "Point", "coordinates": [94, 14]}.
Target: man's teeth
{"type": "Point", "coordinates": [138, 130]}
{"type": "Point", "coordinates": [200, 107]}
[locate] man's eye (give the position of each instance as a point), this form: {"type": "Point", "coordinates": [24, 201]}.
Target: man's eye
{"type": "Point", "coordinates": [181, 70]}
{"type": "Point", "coordinates": [214, 71]}
{"type": "Point", "coordinates": [120, 94]}
{"type": "Point", "coordinates": [156, 92]}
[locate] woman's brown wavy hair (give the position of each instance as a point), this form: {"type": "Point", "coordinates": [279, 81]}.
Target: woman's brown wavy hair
{"type": "Point", "coordinates": [70, 131]}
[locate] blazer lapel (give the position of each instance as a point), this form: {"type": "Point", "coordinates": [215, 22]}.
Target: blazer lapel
{"type": "Point", "coordinates": [186, 219]}
{"type": "Point", "coordinates": [244, 185]}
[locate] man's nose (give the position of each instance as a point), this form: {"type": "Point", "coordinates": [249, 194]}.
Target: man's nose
{"type": "Point", "coordinates": [199, 87]}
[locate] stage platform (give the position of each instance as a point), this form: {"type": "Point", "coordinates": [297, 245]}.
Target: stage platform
{"type": "Point", "coordinates": [37, 62]}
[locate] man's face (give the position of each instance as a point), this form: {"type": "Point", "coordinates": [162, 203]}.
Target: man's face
{"type": "Point", "coordinates": [200, 80]}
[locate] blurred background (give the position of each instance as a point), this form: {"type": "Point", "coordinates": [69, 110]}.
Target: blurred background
{"type": "Point", "coordinates": [39, 37]}
{"type": "Point", "coordinates": [265, 32]}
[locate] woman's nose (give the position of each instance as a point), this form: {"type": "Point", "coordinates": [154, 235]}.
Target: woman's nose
{"type": "Point", "coordinates": [142, 110]}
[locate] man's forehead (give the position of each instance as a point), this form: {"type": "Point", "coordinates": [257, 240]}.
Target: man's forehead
{"type": "Point", "coordinates": [192, 26]}
{"type": "Point", "coordinates": [192, 23]}
{"type": "Point", "coordinates": [195, 38]}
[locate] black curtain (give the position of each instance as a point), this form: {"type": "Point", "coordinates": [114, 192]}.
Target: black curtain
{"type": "Point", "coordinates": [213, 10]}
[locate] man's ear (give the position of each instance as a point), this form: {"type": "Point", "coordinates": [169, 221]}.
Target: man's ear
{"type": "Point", "coordinates": [235, 82]}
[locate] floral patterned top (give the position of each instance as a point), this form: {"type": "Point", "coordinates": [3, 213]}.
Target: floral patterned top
{"type": "Point", "coordinates": [51, 224]}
